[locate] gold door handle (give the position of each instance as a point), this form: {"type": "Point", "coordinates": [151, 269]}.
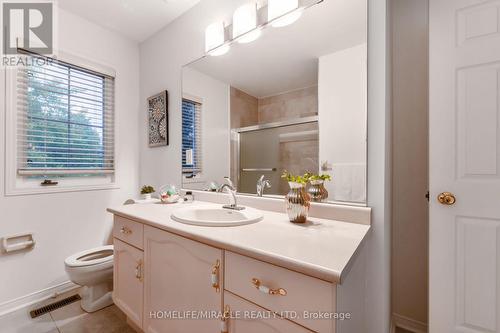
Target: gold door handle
{"type": "Point", "coordinates": [447, 198]}
{"type": "Point", "coordinates": [266, 290]}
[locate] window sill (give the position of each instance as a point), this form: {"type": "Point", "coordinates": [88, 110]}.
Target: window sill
{"type": "Point", "coordinates": [58, 189]}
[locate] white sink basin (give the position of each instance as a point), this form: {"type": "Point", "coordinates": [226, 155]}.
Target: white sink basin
{"type": "Point", "coordinates": [213, 216]}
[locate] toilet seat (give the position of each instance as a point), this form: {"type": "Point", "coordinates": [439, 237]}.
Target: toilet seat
{"type": "Point", "coordinates": [91, 257]}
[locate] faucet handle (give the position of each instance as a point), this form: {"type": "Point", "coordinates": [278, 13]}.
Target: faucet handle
{"type": "Point", "coordinates": [229, 181]}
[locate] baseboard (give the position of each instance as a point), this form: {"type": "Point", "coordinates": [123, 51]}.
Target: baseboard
{"type": "Point", "coordinates": [36, 297]}
{"type": "Point", "coordinates": [407, 324]}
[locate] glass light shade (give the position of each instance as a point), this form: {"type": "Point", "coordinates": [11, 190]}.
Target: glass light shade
{"type": "Point", "coordinates": [214, 36]}
{"type": "Point", "coordinates": [244, 21]}
{"type": "Point", "coordinates": [278, 8]}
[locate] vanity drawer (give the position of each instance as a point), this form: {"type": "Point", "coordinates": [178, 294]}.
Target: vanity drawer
{"type": "Point", "coordinates": [128, 231]}
{"type": "Point", "coordinates": [247, 317]}
{"type": "Point", "coordinates": [305, 295]}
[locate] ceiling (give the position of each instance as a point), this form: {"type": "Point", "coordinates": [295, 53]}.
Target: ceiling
{"type": "Point", "coordinates": [286, 59]}
{"type": "Point", "coordinates": [135, 19]}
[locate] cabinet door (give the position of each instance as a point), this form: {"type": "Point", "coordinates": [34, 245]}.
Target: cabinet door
{"type": "Point", "coordinates": [128, 280]}
{"type": "Point", "coordinates": [249, 318]}
{"type": "Point", "coordinates": [179, 284]}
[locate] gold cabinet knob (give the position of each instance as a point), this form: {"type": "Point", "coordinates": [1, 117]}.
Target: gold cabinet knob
{"type": "Point", "coordinates": [447, 198]}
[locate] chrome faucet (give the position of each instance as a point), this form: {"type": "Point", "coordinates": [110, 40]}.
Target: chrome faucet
{"type": "Point", "coordinates": [262, 184]}
{"type": "Point", "coordinates": [232, 195]}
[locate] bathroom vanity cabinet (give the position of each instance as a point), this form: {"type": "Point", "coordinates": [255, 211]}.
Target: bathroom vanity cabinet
{"type": "Point", "coordinates": [172, 277]}
{"type": "Point", "coordinates": [178, 281]}
{"type": "Point", "coordinates": [162, 279]}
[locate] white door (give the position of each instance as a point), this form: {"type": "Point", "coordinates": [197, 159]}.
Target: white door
{"type": "Point", "coordinates": [464, 160]}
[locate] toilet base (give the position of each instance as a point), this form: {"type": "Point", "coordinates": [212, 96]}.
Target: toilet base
{"type": "Point", "coordinates": [96, 297]}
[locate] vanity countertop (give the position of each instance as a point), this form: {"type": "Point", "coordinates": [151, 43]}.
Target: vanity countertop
{"type": "Point", "coordinates": [320, 248]}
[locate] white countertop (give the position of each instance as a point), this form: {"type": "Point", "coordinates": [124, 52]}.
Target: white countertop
{"type": "Point", "coordinates": [320, 248]}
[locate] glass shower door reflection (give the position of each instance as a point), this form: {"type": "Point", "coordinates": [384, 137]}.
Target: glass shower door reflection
{"type": "Point", "coordinates": [270, 151]}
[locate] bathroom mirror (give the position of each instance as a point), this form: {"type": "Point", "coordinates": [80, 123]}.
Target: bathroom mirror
{"type": "Point", "coordinates": [284, 101]}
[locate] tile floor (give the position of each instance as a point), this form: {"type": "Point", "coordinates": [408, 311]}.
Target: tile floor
{"type": "Point", "coordinates": [69, 319]}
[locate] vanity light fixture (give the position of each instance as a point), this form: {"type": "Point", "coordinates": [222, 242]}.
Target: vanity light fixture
{"type": "Point", "coordinates": [215, 39]}
{"type": "Point", "coordinates": [284, 12]}
{"type": "Point", "coordinates": [245, 23]}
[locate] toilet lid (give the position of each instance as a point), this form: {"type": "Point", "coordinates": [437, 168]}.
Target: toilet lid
{"type": "Point", "coordinates": [91, 257]}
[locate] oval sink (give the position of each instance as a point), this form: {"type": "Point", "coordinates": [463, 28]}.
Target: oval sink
{"type": "Point", "coordinates": [213, 216]}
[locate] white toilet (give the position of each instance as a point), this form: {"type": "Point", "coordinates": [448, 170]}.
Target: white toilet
{"type": "Point", "coordinates": [93, 269]}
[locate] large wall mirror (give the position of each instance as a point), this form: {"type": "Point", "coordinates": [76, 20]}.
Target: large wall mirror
{"type": "Point", "coordinates": [294, 99]}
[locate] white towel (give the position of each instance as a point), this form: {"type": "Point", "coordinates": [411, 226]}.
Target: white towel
{"type": "Point", "coordinates": [348, 182]}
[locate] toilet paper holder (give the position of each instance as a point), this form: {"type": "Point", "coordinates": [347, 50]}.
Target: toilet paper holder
{"type": "Point", "coordinates": [18, 242]}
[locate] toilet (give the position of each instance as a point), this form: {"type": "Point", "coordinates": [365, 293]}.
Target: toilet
{"type": "Point", "coordinates": [93, 269]}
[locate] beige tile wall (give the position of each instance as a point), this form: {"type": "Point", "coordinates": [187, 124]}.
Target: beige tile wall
{"type": "Point", "coordinates": [244, 109]}
{"type": "Point", "coordinates": [247, 110]}
{"type": "Point", "coordinates": [294, 104]}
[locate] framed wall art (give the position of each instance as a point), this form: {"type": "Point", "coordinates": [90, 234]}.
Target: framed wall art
{"type": "Point", "coordinates": [158, 120]}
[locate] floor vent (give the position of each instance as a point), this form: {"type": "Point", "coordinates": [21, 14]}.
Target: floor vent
{"type": "Point", "coordinates": [54, 306]}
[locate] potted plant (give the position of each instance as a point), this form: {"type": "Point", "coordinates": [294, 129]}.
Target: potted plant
{"type": "Point", "coordinates": [317, 189]}
{"type": "Point", "coordinates": [146, 192]}
{"type": "Point", "coordinates": [298, 201]}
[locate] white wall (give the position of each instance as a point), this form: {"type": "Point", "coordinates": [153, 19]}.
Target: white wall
{"type": "Point", "coordinates": [69, 222]}
{"type": "Point", "coordinates": [410, 211]}
{"type": "Point", "coordinates": [162, 57]}
{"type": "Point", "coordinates": [342, 93]}
{"type": "Point", "coordinates": [183, 41]}
{"type": "Point", "coordinates": [215, 140]}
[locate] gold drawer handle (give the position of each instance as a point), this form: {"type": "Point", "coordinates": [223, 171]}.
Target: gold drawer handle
{"type": "Point", "coordinates": [266, 290]}
{"type": "Point", "coordinates": [225, 317]}
{"type": "Point", "coordinates": [126, 231]}
{"type": "Point", "coordinates": [138, 271]}
{"type": "Point", "coordinates": [215, 276]}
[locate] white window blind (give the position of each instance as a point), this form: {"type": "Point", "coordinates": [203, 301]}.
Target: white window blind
{"type": "Point", "coordinates": [65, 119]}
{"type": "Point", "coordinates": [191, 137]}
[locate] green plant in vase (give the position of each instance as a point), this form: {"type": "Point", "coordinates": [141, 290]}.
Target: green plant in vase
{"type": "Point", "coordinates": [317, 189]}
{"type": "Point", "coordinates": [146, 192]}
{"type": "Point", "coordinates": [297, 200]}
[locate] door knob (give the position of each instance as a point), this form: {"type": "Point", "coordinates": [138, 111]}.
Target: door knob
{"type": "Point", "coordinates": [447, 198]}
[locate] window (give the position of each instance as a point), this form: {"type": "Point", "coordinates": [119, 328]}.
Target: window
{"type": "Point", "coordinates": [65, 120]}
{"type": "Point", "coordinates": [191, 137]}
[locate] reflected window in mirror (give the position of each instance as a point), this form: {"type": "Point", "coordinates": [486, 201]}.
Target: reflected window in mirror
{"type": "Point", "coordinates": [191, 138]}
